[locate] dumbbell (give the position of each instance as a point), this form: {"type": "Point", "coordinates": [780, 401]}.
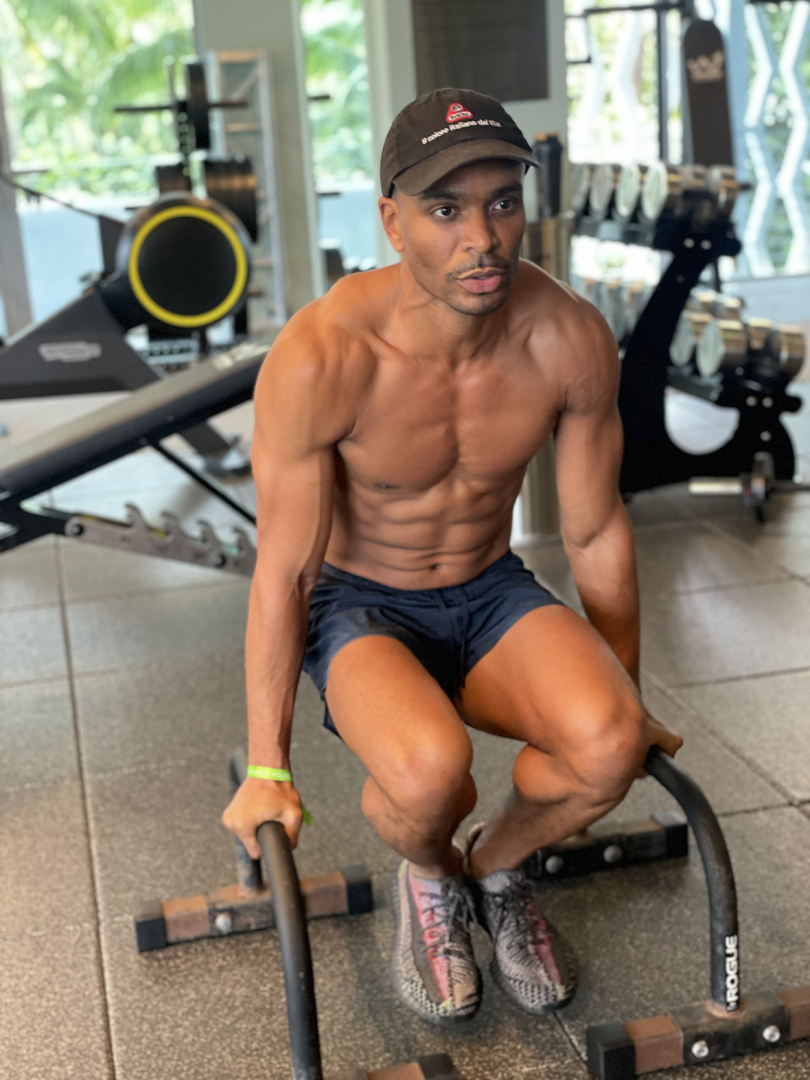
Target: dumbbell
{"type": "Point", "coordinates": [661, 192]}
{"type": "Point", "coordinates": [722, 182]}
{"type": "Point", "coordinates": [688, 333]}
{"type": "Point", "coordinates": [628, 192]}
{"type": "Point", "coordinates": [702, 300]}
{"type": "Point", "coordinates": [581, 174]}
{"type": "Point", "coordinates": [723, 344]}
{"type": "Point", "coordinates": [603, 190]}
{"type": "Point", "coordinates": [786, 346]}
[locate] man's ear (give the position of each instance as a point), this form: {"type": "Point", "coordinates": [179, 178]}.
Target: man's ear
{"type": "Point", "coordinates": [389, 212]}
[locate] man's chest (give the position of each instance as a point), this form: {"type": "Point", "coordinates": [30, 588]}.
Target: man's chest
{"type": "Point", "coordinates": [421, 427]}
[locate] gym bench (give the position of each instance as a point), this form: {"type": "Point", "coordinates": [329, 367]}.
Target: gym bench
{"type": "Point", "coordinates": [145, 417]}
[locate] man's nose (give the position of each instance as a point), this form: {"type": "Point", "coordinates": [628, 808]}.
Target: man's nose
{"type": "Point", "coordinates": [479, 235]}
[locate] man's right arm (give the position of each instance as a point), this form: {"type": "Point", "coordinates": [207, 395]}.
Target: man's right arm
{"type": "Point", "coordinates": [297, 427]}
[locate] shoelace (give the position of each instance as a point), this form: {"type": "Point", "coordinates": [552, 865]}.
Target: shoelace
{"type": "Point", "coordinates": [450, 911]}
{"type": "Point", "coordinates": [529, 927]}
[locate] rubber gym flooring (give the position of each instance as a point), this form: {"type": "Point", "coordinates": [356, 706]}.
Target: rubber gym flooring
{"type": "Point", "coordinates": [121, 696]}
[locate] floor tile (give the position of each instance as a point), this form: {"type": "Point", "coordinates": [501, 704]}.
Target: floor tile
{"type": "Point", "coordinates": [166, 625]}
{"type": "Point", "coordinates": [52, 1008]}
{"type": "Point", "coordinates": [156, 832]}
{"type": "Point", "coordinates": [36, 734]}
{"type": "Point", "coordinates": [207, 1006]}
{"type": "Point", "coordinates": [766, 720]}
{"type": "Point", "coordinates": [649, 508]}
{"type": "Point", "coordinates": [784, 538]}
{"type": "Point", "coordinates": [642, 936]}
{"type": "Point", "coordinates": [92, 572]}
{"type": "Point", "coordinates": [697, 507]}
{"type": "Point", "coordinates": [682, 559]}
{"type": "Point", "coordinates": [164, 711]}
{"type": "Point", "coordinates": [700, 637]}
{"type": "Point", "coordinates": [28, 575]}
{"type": "Point", "coordinates": [31, 645]}
{"type": "Point", "coordinates": [43, 837]}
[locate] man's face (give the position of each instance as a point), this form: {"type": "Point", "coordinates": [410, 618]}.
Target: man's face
{"type": "Point", "coordinates": [461, 238]}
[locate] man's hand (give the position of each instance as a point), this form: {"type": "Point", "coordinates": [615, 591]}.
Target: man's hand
{"type": "Point", "coordinates": [658, 735]}
{"type": "Point", "coordinates": [258, 801]}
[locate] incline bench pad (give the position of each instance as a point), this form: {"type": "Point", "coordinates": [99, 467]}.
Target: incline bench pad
{"type": "Point", "coordinates": [160, 409]}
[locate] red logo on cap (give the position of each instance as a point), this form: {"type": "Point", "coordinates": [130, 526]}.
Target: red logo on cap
{"type": "Point", "coordinates": [457, 112]}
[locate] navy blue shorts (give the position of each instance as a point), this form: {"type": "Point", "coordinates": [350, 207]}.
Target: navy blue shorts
{"type": "Point", "coordinates": [448, 630]}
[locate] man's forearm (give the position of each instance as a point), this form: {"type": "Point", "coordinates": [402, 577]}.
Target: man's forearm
{"type": "Point", "coordinates": [604, 572]}
{"type": "Point", "coordinates": [274, 649]}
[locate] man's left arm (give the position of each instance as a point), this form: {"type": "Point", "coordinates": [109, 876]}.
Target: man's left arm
{"type": "Point", "coordinates": [596, 530]}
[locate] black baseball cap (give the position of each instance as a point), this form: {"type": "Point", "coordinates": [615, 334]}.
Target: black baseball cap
{"type": "Point", "coordinates": [442, 130]}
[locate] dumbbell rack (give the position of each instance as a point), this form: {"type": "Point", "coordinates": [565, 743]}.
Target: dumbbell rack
{"type": "Point", "coordinates": [651, 458]}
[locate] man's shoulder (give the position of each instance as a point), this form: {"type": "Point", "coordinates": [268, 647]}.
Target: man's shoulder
{"type": "Point", "coordinates": [322, 361]}
{"type": "Point", "coordinates": [560, 318]}
{"type": "Point", "coordinates": [340, 324]}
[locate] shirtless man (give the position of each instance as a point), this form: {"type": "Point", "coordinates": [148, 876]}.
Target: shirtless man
{"type": "Point", "coordinates": [395, 417]}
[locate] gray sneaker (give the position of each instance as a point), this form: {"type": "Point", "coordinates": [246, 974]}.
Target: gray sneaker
{"type": "Point", "coordinates": [433, 967]}
{"type": "Point", "coordinates": [530, 962]}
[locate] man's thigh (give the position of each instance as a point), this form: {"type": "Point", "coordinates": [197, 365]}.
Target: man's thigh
{"type": "Point", "coordinates": [393, 714]}
{"type": "Point", "coordinates": [551, 681]}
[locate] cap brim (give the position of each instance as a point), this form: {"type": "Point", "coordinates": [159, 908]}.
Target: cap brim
{"type": "Point", "coordinates": [419, 177]}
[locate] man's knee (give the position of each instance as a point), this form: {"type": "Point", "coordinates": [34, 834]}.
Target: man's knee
{"type": "Point", "coordinates": [611, 748]}
{"type": "Point", "coordinates": [431, 774]}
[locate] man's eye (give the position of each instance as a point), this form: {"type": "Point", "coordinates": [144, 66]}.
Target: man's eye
{"type": "Point", "coordinates": [444, 211]}
{"type": "Point", "coordinates": [504, 204]}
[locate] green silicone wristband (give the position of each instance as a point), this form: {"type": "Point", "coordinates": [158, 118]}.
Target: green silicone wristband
{"type": "Point", "coordinates": [262, 772]}
{"type": "Point", "coordinates": [283, 776]}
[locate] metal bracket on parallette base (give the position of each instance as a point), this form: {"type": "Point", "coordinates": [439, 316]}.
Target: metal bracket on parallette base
{"type": "Point", "coordinates": [168, 542]}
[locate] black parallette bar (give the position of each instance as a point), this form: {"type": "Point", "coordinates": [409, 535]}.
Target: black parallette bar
{"type": "Point", "coordinates": [724, 927]}
{"type": "Point", "coordinates": [150, 927]}
{"type": "Point", "coordinates": [299, 985]}
{"type": "Point", "coordinates": [610, 1053]}
{"type": "Point", "coordinates": [358, 888]}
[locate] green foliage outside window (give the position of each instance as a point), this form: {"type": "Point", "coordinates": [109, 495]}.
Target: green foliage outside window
{"type": "Point", "coordinates": [66, 64]}
{"type": "Point", "coordinates": [336, 66]}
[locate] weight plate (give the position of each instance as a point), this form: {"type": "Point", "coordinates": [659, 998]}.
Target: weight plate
{"type": "Point", "coordinates": [232, 182]}
{"type": "Point", "coordinates": [172, 178]}
{"type": "Point", "coordinates": [721, 180]}
{"type": "Point", "coordinates": [197, 105]}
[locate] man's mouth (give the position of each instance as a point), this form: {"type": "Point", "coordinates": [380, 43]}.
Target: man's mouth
{"type": "Point", "coordinates": [486, 280]}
